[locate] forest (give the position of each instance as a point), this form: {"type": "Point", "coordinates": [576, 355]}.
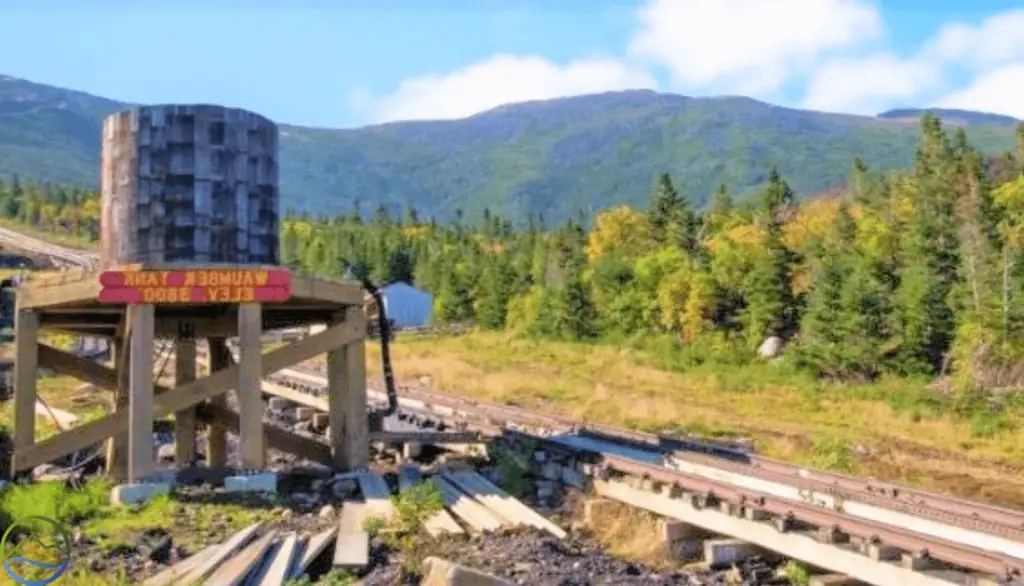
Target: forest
{"type": "Point", "coordinates": [912, 273]}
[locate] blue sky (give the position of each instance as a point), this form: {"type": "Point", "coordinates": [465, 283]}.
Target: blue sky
{"type": "Point", "coordinates": [347, 63]}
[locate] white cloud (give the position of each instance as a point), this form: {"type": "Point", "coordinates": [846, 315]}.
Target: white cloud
{"type": "Point", "coordinates": [998, 39]}
{"type": "Point", "coordinates": [868, 85]}
{"type": "Point", "coordinates": [982, 53]}
{"type": "Point", "coordinates": [827, 50]}
{"type": "Point", "coordinates": [998, 91]}
{"type": "Point", "coordinates": [502, 79]}
{"type": "Point", "coordinates": [748, 46]}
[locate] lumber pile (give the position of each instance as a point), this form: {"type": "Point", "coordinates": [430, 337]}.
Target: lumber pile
{"type": "Point", "coordinates": [260, 555]}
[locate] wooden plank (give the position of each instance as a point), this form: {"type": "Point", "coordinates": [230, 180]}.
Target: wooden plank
{"type": "Point", "coordinates": [184, 420]}
{"type": "Point", "coordinates": [376, 494]}
{"type": "Point", "coordinates": [140, 406]}
{"type": "Point", "coordinates": [26, 362]}
{"type": "Point", "coordinates": [440, 522]}
{"type": "Point", "coordinates": [171, 574]}
{"type": "Point", "coordinates": [260, 569]}
{"type": "Point", "coordinates": [335, 405]}
{"type": "Point", "coordinates": [277, 437]}
{"type": "Point", "coordinates": [59, 289]}
{"type": "Point", "coordinates": [352, 549]}
{"type": "Point", "coordinates": [212, 386]}
{"type": "Point", "coordinates": [217, 432]}
{"type": "Point", "coordinates": [252, 444]}
{"type": "Point", "coordinates": [312, 550]}
{"type": "Point", "coordinates": [500, 501]}
{"type": "Point", "coordinates": [233, 571]}
{"type": "Point", "coordinates": [476, 516]}
{"type": "Point", "coordinates": [281, 563]}
{"type": "Point", "coordinates": [341, 293]}
{"type": "Point", "coordinates": [224, 551]}
{"type": "Point", "coordinates": [355, 446]}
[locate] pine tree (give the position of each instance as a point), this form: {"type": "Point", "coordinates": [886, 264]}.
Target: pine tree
{"type": "Point", "coordinates": [769, 300]}
{"type": "Point", "coordinates": [496, 289]}
{"type": "Point", "coordinates": [671, 217]}
{"type": "Point", "coordinates": [929, 263]}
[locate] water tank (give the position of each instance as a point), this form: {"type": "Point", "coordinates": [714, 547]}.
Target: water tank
{"type": "Point", "coordinates": [188, 183]}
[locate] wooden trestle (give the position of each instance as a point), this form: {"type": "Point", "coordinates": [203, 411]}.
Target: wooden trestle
{"type": "Point", "coordinates": [68, 302]}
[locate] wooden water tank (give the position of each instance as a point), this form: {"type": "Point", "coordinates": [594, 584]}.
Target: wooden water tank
{"type": "Point", "coordinates": [193, 183]}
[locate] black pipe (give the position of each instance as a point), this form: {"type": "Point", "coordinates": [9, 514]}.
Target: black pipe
{"type": "Point", "coordinates": [384, 329]}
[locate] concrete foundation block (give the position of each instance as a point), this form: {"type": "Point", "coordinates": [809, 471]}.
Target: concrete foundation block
{"type": "Point", "coordinates": [881, 553]}
{"type": "Point", "coordinates": [672, 531]}
{"type": "Point", "coordinates": [278, 404]}
{"type": "Point", "coordinates": [725, 552]}
{"type": "Point", "coordinates": [320, 421]}
{"type": "Point", "coordinates": [755, 514]}
{"type": "Point", "coordinates": [304, 413]}
{"type": "Point", "coordinates": [915, 562]}
{"type": "Point", "coordinates": [687, 550]}
{"type": "Point", "coordinates": [439, 572]}
{"type": "Point", "coordinates": [256, 483]}
{"type": "Point", "coordinates": [136, 494]}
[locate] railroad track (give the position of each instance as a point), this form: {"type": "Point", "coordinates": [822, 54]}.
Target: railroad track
{"type": "Point", "coordinates": [686, 478]}
{"type": "Point", "coordinates": [983, 536]}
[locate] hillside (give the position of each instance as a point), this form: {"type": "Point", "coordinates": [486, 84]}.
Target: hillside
{"type": "Point", "coordinates": [554, 157]}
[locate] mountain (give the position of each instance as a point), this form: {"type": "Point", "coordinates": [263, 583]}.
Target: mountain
{"type": "Point", "coordinates": [556, 157]}
{"type": "Point", "coordinates": [958, 117]}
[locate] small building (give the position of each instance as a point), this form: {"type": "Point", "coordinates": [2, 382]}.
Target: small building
{"type": "Point", "coordinates": [407, 306]}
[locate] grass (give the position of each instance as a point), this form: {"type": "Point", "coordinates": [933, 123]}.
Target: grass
{"type": "Point", "coordinates": [88, 511]}
{"type": "Point", "coordinates": [631, 534]}
{"type": "Point", "coordinates": [894, 429]}
{"type": "Point", "coordinates": [63, 239]}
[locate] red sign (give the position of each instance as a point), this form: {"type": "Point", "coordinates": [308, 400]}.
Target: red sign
{"type": "Point", "coordinates": [196, 286]}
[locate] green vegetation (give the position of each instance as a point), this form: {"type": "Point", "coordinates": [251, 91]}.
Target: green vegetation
{"type": "Point", "coordinates": [87, 511]}
{"type": "Point", "coordinates": [899, 302]}
{"type": "Point", "coordinates": [553, 158]}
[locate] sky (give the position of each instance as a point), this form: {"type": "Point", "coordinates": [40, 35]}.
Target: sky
{"type": "Point", "coordinates": [348, 63]}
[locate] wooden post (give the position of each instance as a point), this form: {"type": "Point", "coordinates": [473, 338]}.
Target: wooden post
{"type": "Point", "coordinates": [117, 446]}
{"type": "Point", "coordinates": [184, 420]}
{"type": "Point", "coordinates": [252, 444]}
{"type": "Point", "coordinates": [217, 434]}
{"type": "Point", "coordinates": [336, 364]}
{"type": "Point", "coordinates": [140, 407]}
{"type": "Point", "coordinates": [347, 385]}
{"type": "Point", "coordinates": [26, 366]}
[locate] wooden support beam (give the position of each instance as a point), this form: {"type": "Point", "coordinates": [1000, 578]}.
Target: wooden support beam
{"type": "Point", "coordinates": [212, 386]}
{"type": "Point", "coordinates": [252, 450]}
{"type": "Point", "coordinates": [277, 438]}
{"type": "Point", "coordinates": [184, 419]}
{"type": "Point", "coordinates": [216, 433]}
{"type": "Point", "coordinates": [140, 408]}
{"type": "Point", "coordinates": [117, 445]}
{"type": "Point", "coordinates": [336, 382]}
{"type": "Point", "coordinates": [351, 393]}
{"type": "Point", "coordinates": [85, 370]}
{"type": "Point", "coordinates": [26, 371]}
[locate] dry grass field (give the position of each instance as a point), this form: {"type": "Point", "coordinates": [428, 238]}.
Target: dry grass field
{"type": "Point", "coordinates": [893, 429]}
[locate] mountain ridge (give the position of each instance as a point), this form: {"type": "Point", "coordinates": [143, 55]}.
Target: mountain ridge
{"type": "Point", "coordinates": [554, 157]}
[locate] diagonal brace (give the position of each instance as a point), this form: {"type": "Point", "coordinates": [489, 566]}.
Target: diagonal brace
{"type": "Point", "coordinates": [186, 395]}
